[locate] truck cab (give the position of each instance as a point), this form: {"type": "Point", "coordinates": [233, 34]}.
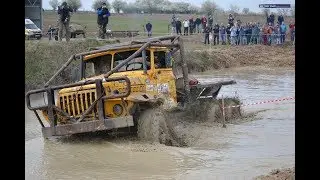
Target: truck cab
{"type": "Point", "coordinates": [31, 30]}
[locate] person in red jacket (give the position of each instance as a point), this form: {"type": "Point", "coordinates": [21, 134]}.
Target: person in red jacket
{"type": "Point", "coordinates": [204, 22]}
{"type": "Point", "coordinates": [292, 27]}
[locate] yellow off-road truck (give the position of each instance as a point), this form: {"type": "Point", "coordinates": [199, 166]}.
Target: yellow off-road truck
{"type": "Point", "coordinates": [118, 86]}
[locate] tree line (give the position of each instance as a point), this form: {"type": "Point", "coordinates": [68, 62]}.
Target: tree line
{"type": "Point", "coordinates": [165, 7]}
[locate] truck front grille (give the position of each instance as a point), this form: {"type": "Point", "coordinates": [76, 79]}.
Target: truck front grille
{"type": "Point", "coordinates": [76, 103]}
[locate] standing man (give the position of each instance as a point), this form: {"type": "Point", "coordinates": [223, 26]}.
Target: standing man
{"type": "Point", "coordinates": [210, 22]}
{"type": "Point", "coordinates": [173, 24]}
{"type": "Point", "coordinates": [186, 27]}
{"type": "Point", "coordinates": [198, 24]}
{"type": "Point", "coordinates": [103, 19]}
{"type": "Point", "coordinates": [230, 20]}
{"type": "Point", "coordinates": [206, 35]}
{"type": "Point", "coordinates": [64, 19]}
{"type": "Point", "coordinates": [178, 26]}
{"type": "Point", "coordinates": [292, 30]}
{"type": "Point", "coordinates": [223, 34]}
{"type": "Point", "coordinates": [149, 29]}
{"type": "Point", "coordinates": [216, 34]}
{"type": "Point", "coordinates": [191, 24]}
{"type": "Point", "coordinates": [280, 19]}
{"type": "Point", "coordinates": [228, 31]}
{"type": "Point", "coordinates": [204, 22]}
{"type": "Point", "coordinates": [283, 30]}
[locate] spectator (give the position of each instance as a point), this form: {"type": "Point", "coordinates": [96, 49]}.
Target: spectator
{"type": "Point", "coordinates": [173, 24]}
{"type": "Point", "coordinates": [178, 26]}
{"type": "Point", "coordinates": [276, 32]}
{"type": "Point", "coordinates": [210, 22]}
{"type": "Point", "coordinates": [228, 33]}
{"type": "Point", "coordinates": [223, 34]}
{"type": "Point", "coordinates": [255, 33]}
{"type": "Point", "coordinates": [206, 35]}
{"type": "Point", "coordinates": [242, 35]}
{"type": "Point", "coordinates": [260, 32]}
{"type": "Point", "coordinates": [198, 24]}
{"type": "Point", "coordinates": [270, 30]}
{"type": "Point", "coordinates": [149, 29]}
{"type": "Point", "coordinates": [249, 33]}
{"type": "Point", "coordinates": [283, 30]}
{"type": "Point", "coordinates": [265, 30]}
{"type": "Point", "coordinates": [64, 19]}
{"type": "Point", "coordinates": [230, 20]}
{"type": "Point", "coordinates": [191, 24]}
{"type": "Point", "coordinates": [280, 19]}
{"type": "Point", "coordinates": [186, 27]}
{"type": "Point", "coordinates": [292, 30]}
{"type": "Point", "coordinates": [103, 19]}
{"type": "Point", "coordinates": [272, 19]}
{"type": "Point", "coordinates": [203, 22]}
{"type": "Point", "coordinates": [216, 34]}
{"type": "Point", "coordinates": [233, 34]}
{"type": "Point", "coordinates": [50, 32]}
{"type": "Point", "coordinates": [238, 32]}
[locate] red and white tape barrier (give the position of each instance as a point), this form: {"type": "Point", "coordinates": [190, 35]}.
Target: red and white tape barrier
{"type": "Point", "coordinates": [264, 102]}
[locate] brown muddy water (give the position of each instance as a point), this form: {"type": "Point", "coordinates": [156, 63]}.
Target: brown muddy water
{"type": "Point", "coordinates": [240, 151]}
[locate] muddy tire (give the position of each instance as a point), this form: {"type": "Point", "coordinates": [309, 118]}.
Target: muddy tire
{"type": "Point", "coordinates": [153, 126]}
{"type": "Point", "coordinates": [148, 125]}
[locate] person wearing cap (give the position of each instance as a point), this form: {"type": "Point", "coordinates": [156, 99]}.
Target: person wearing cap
{"type": "Point", "coordinates": [64, 20]}
{"type": "Point", "coordinates": [103, 19]}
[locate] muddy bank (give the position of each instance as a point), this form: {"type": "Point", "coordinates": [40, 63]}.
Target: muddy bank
{"type": "Point", "coordinates": [219, 57]}
{"type": "Point", "coordinates": [279, 174]}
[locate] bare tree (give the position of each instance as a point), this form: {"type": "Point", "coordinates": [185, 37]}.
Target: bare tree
{"type": "Point", "coordinates": [98, 3]}
{"type": "Point", "coordinates": [118, 5]}
{"type": "Point", "coordinates": [234, 9]}
{"type": "Point", "coordinates": [245, 11]}
{"type": "Point", "coordinates": [266, 12]}
{"type": "Point", "coordinates": [54, 4]}
{"type": "Point", "coordinates": [283, 11]}
{"type": "Point", "coordinates": [293, 10]}
{"type": "Point", "coordinates": [74, 4]}
{"type": "Point", "coordinates": [209, 7]}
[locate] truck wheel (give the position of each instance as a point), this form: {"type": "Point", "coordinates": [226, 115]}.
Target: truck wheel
{"type": "Point", "coordinates": [153, 126]}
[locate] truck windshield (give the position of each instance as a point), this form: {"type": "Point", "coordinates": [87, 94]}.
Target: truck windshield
{"type": "Point", "coordinates": [31, 26]}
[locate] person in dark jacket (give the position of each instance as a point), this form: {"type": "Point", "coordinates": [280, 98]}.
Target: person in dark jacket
{"type": "Point", "coordinates": [178, 26]}
{"type": "Point", "coordinates": [249, 33]}
{"type": "Point", "coordinates": [206, 34]}
{"type": "Point", "coordinates": [191, 25]}
{"type": "Point", "coordinates": [228, 31]}
{"type": "Point", "coordinates": [149, 29]}
{"type": "Point", "coordinates": [272, 19]}
{"type": "Point", "coordinates": [216, 34]}
{"type": "Point", "coordinates": [197, 23]}
{"type": "Point", "coordinates": [103, 19]}
{"type": "Point", "coordinates": [64, 20]}
{"type": "Point", "coordinates": [280, 19]}
{"type": "Point", "coordinates": [230, 20]}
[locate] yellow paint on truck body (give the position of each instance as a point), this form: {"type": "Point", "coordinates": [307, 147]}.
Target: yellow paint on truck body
{"type": "Point", "coordinates": [154, 84]}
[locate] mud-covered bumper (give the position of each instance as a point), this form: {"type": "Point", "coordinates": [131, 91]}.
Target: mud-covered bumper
{"type": "Point", "coordinates": [90, 126]}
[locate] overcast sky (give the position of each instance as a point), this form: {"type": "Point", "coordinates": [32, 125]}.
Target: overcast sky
{"type": "Point", "coordinates": [253, 5]}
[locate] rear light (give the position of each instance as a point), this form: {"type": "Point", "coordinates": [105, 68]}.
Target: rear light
{"type": "Point", "coordinates": [193, 82]}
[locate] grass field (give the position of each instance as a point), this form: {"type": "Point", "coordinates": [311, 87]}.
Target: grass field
{"type": "Point", "coordinates": [136, 21]}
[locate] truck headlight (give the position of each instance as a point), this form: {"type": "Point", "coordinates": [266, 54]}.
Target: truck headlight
{"type": "Point", "coordinates": [117, 109]}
